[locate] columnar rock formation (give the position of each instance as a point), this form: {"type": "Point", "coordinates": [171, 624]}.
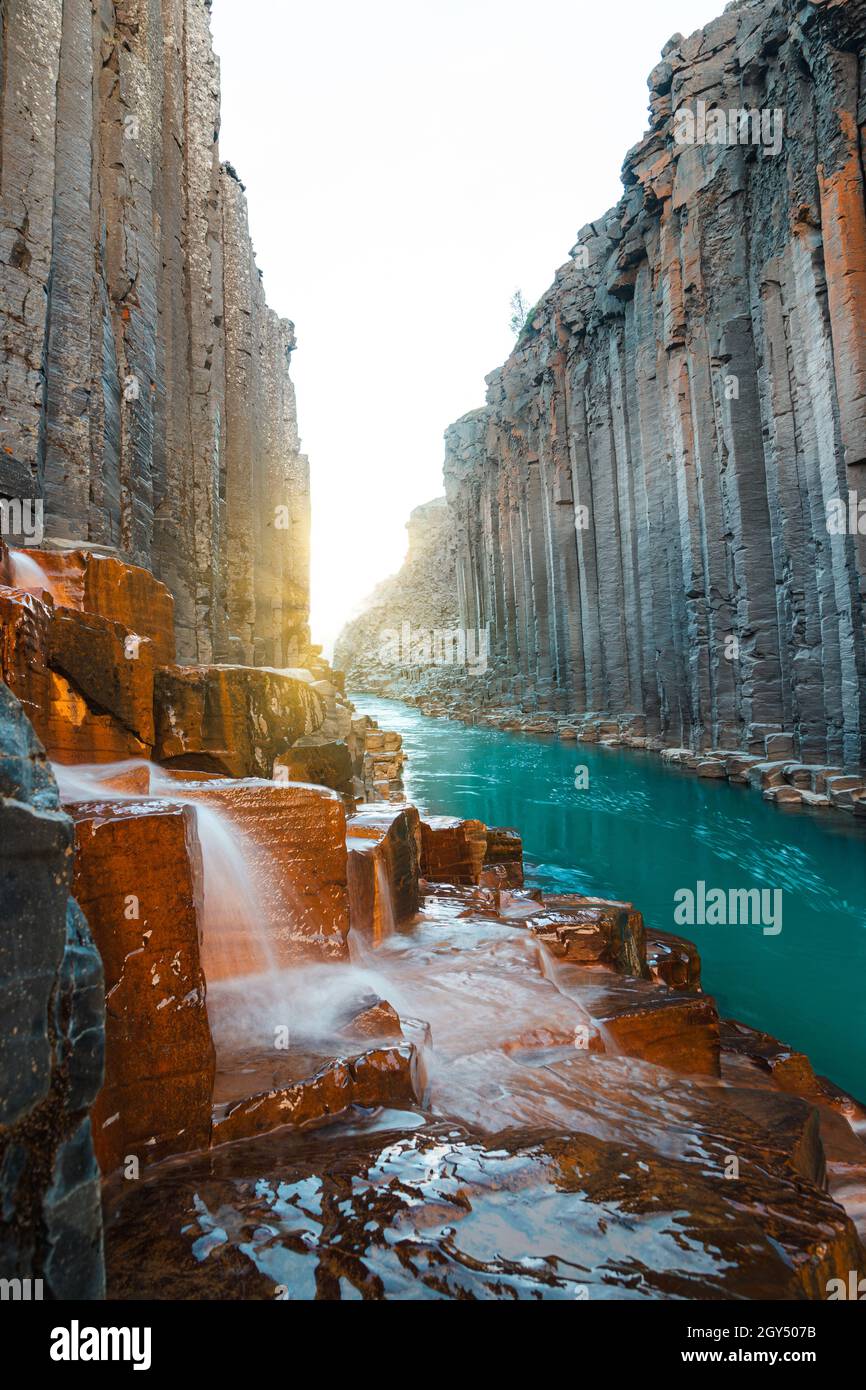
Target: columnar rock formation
{"type": "Point", "coordinates": [376, 649]}
{"type": "Point", "coordinates": [647, 508]}
{"type": "Point", "coordinates": [147, 399]}
{"type": "Point", "coordinates": [52, 1040]}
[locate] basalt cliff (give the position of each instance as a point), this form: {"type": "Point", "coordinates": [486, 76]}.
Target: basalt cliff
{"type": "Point", "coordinates": [147, 402]}
{"type": "Point", "coordinates": [656, 508]}
{"type": "Point", "coordinates": [208, 868]}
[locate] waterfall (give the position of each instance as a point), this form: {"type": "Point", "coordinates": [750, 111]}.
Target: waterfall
{"type": "Point", "coordinates": [235, 939]}
{"type": "Point", "coordinates": [28, 574]}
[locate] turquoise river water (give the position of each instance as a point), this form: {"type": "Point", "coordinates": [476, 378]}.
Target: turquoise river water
{"type": "Point", "coordinates": [642, 831]}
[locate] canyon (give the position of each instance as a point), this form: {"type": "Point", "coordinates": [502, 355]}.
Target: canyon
{"type": "Point", "coordinates": [271, 1030]}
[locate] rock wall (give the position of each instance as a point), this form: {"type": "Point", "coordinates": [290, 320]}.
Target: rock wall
{"type": "Point", "coordinates": [645, 507]}
{"type": "Point", "coordinates": [422, 594]}
{"type": "Point", "coordinates": [52, 1041]}
{"type": "Point", "coordinates": [147, 398]}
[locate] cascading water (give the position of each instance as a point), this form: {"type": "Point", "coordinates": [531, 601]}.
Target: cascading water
{"type": "Point", "coordinates": [254, 1004]}
{"type": "Point", "coordinates": [28, 574]}
{"type": "Point", "coordinates": [234, 940]}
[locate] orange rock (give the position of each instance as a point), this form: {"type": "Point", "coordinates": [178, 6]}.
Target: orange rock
{"type": "Point", "coordinates": [452, 850]}
{"type": "Point", "coordinates": [505, 850]}
{"type": "Point", "coordinates": [383, 840]}
{"type": "Point", "coordinates": [111, 667]}
{"type": "Point", "coordinates": [378, 1019]}
{"type": "Point", "coordinates": [671, 1029]}
{"type": "Point", "coordinates": [73, 733]}
{"type": "Point", "coordinates": [592, 931]}
{"type": "Point", "coordinates": [790, 1070]}
{"type": "Point", "coordinates": [666, 1027]}
{"type": "Point", "coordinates": [24, 623]}
{"type": "Point", "coordinates": [673, 961]}
{"type": "Point", "coordinates": [5, 566]}
{"type": "Point", "coordinates": [88, 701]}
{"type": "Point", "coordinates": [231, 719]}
{"type": "Point", "coordinates": [112, 589]}
{"type": "Point", "coordinates": [385, 1076]}
{"type": "Point", "coordinates": [138, 878]}
{"type": "Point", "coordinates": [294, 840]}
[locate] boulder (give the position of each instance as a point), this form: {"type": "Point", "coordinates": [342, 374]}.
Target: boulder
{"type": "Point", "coordinates": [85, 682]}
{"type": "Point", "coordinates": [373, 1018]}
{"type": "Point", "coordinates": [138, 876]}
{"type": "Point", "coordinates": [108, 665]}
{"type": "Point", "coordinates": [673, 961]}
{"type": "Point", "coordinates": [231, 719]}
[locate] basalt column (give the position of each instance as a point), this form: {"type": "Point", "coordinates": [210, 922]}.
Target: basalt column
{"type": "Point", "coordinates": [145, 382]}
{"type": "Point", "coordinates": [647, 510]}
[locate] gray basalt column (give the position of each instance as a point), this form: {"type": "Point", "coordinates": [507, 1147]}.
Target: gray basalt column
{"type": "Point", "coordinates": [67, 468]}
{"type": "Point", "coordinates": [31, 68]}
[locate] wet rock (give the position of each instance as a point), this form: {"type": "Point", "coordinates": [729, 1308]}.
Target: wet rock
{"type": "Point", "coordinates": [324, 764]}
{"type": "Point", "coordinates": [384, 850]}
{"type": "Point", "coordinates": [375, 1018]}
{"type": "Point", "coordinates": [790, 1070]}
{"type": "Point", "coordinates": [673, 961]}
{"type": "Point", "coordinates": [446, 1213]}
{"type": "Point", "coordinates": [385, 1076]}
{"type": "Point", "coordinates": [88, 693]}
{"type": "Point", "coordinates": [110, 588]}
{"type": "Point", "coordinates": [293, 841]}
{"type": "Point", "coordinates": [669, 1028]}
{"type": "Point", "coordinates": [108, 665]}
{"type": "Point", "coordinates": [52, 1042]}
{"type": "Point", "coordinates": [592, 931]}
{"type": "Point", "coordinates": [231, 719]}
{"type": "Point", "coordinates": [505, 850]}
{"type": "Point", "coordinates": [452, 850]}
{"type": "Point", "coordinates": [138, 877]}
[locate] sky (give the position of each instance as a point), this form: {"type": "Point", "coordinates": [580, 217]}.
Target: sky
{"type": "Point", "coordinates": [410, 164]}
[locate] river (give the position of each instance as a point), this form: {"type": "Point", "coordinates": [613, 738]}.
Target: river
{"type": "Point", "coordinates": [642, 830]}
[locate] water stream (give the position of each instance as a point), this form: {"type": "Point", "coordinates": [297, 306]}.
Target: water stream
{"type": "Point", "coordinates": [641, 830]}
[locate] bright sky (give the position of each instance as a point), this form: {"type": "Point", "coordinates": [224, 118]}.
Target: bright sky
{"type": "Point", "coordinates": [410, 164]}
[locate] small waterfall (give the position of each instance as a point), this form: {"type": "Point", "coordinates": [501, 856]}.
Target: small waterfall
{"type": "Point", "coordinates": [385, 923]}
{"type": "Point", "coordinates": [28, 574]}
{"type": "Point", "coordinates": [235, 939]}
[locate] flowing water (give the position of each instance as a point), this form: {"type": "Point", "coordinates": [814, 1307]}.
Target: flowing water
{"type": "Point", "coordinates": [28, 574]}
{"type": "Point", "coordinates": [642, 830]}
